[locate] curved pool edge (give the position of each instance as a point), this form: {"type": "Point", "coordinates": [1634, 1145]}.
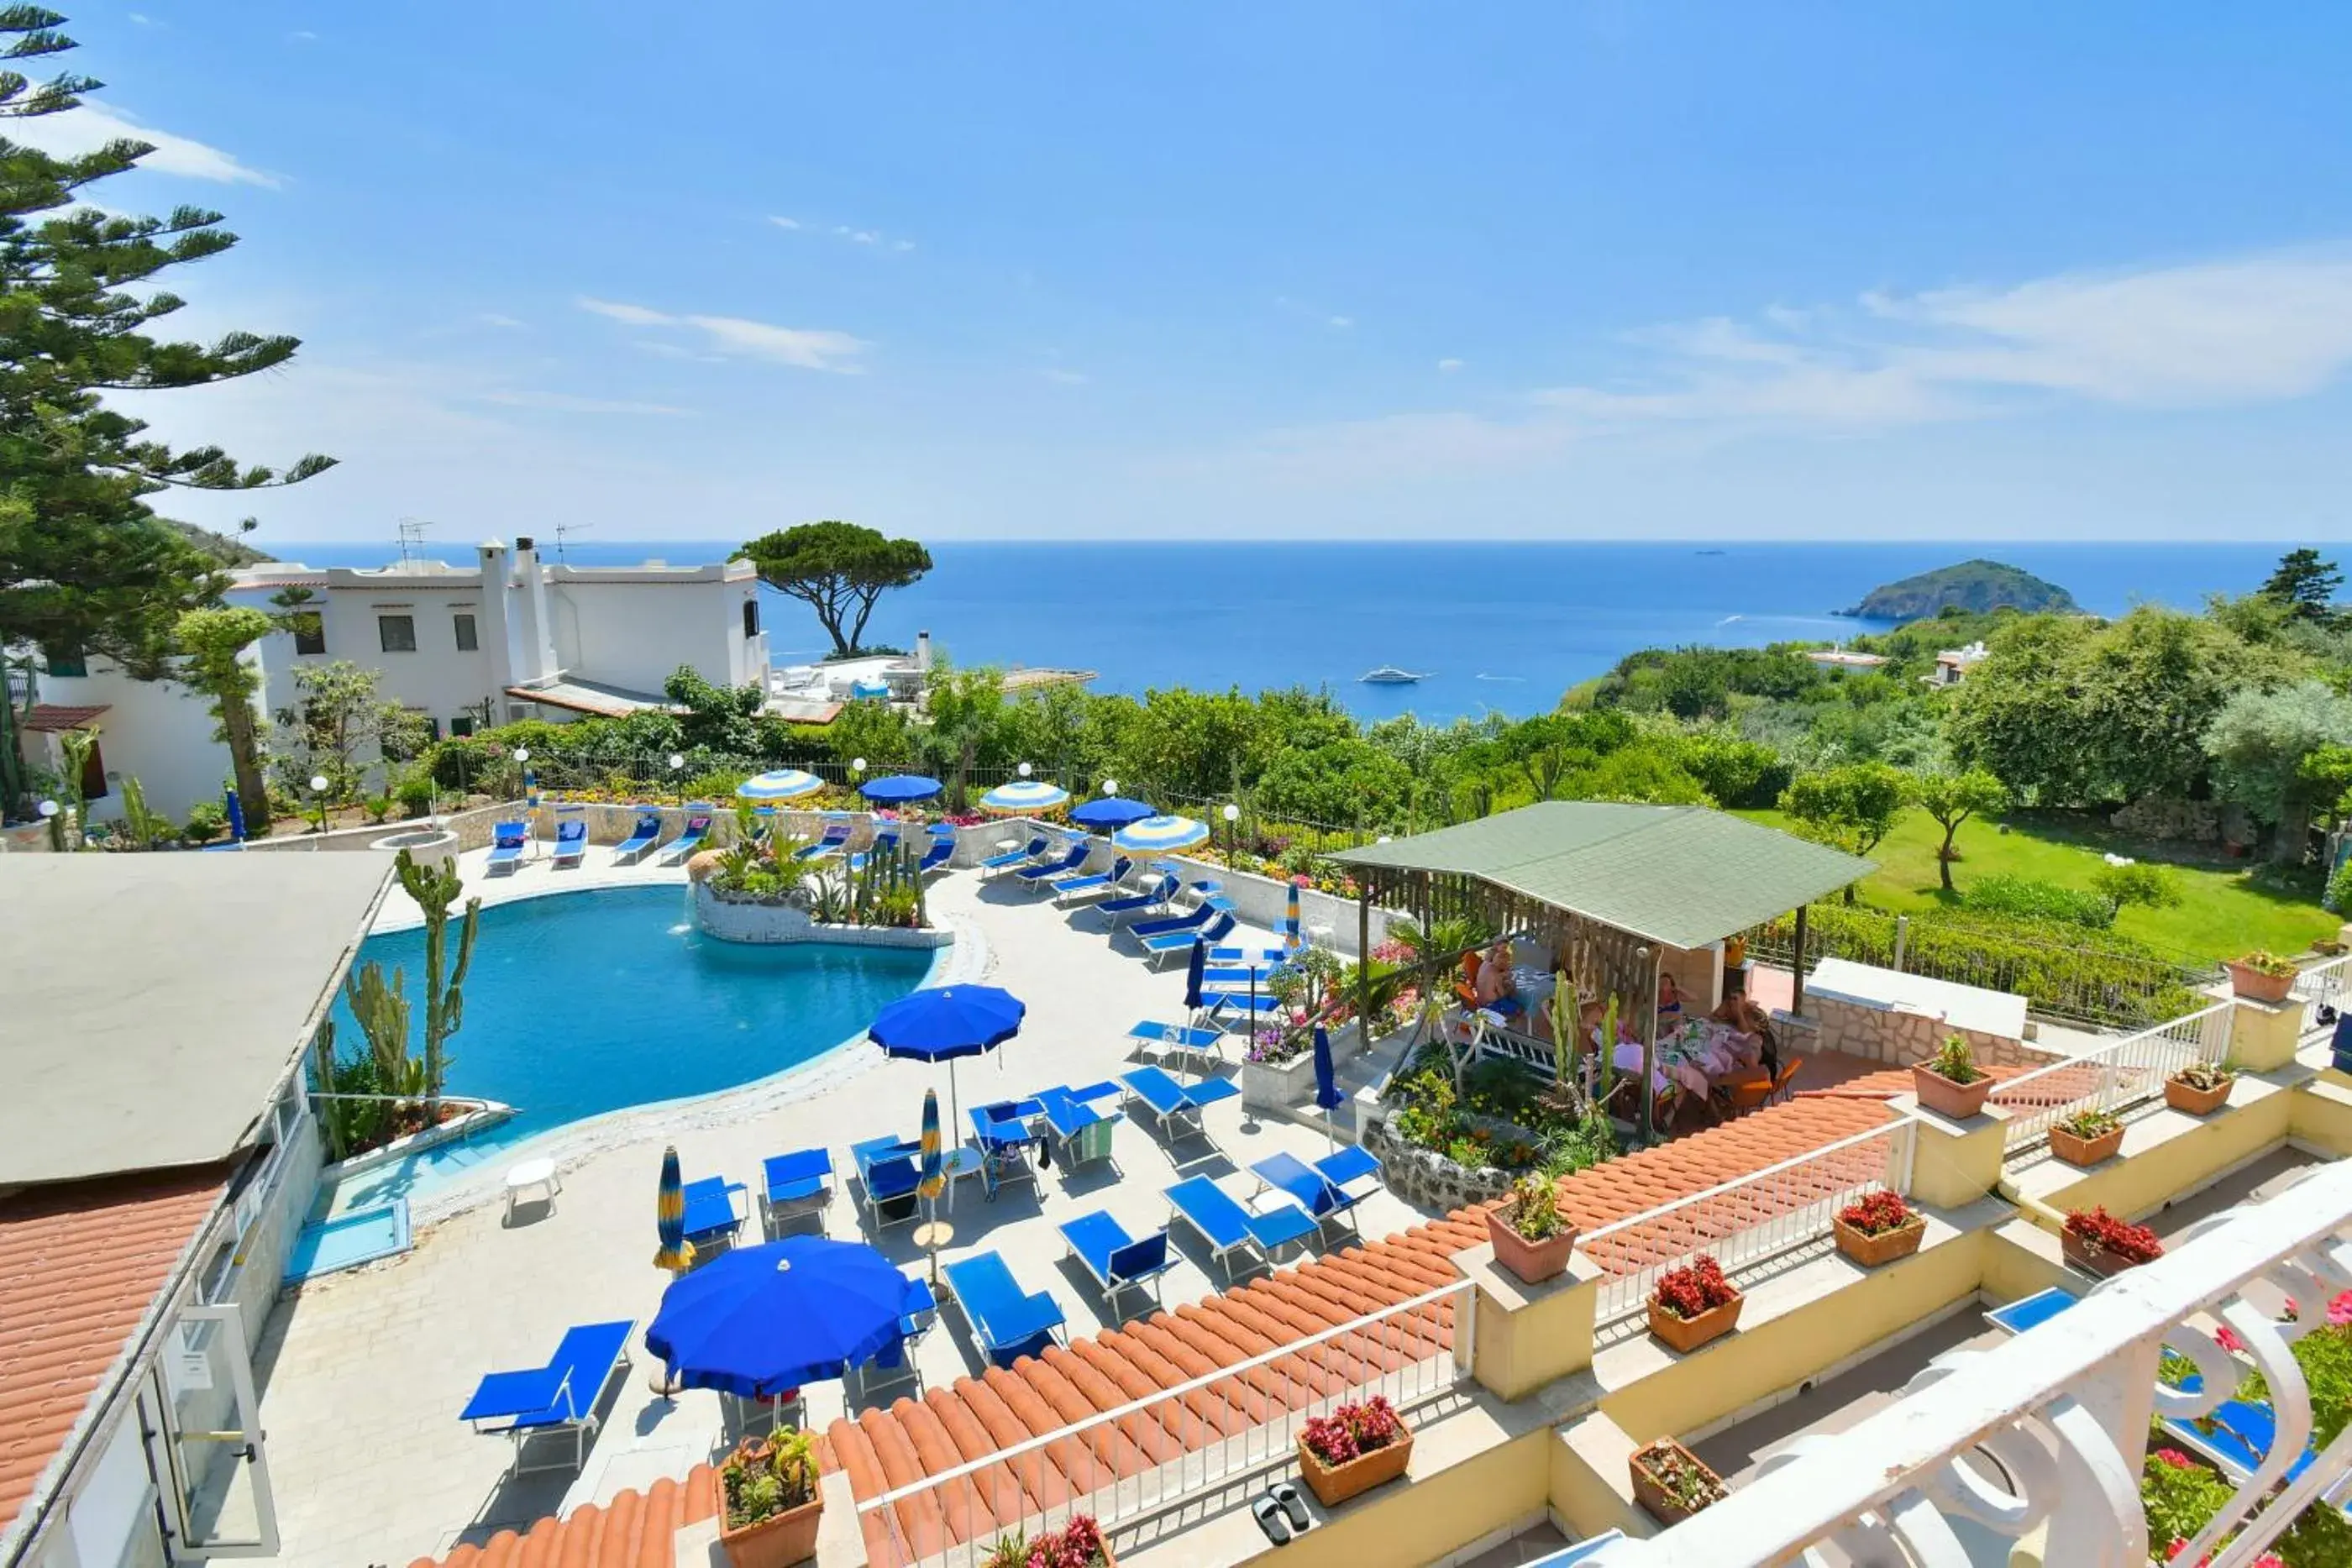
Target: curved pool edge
{"type": "Point", "coordinates": [508, 889]}
{"type": "Point", "coordinates": [965, 959]}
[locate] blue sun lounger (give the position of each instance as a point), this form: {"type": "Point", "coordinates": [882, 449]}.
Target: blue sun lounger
{"type": "Point", "coordinates": [1227, 1228]}
{"type": "Point", "coordinates": [1188, 923]}
{"type": "Point", "coordinates": [1173, 1104]}
{"type": "Point", "coordinates": [886, 842]}
{"type": "Point", "coordinates": [1313, 1188]}
{"type": "Point", "coordinates": [1008, 1322]}
{"type": "Point", "coordinates": [697, 828]}
{"type": "Point", "coordinates": [712, 1215]}
{"type": "Point", "coordinates": [2244, 1432]}
{"type": "Point", "coordinates": [1041, 874]}
{"type": "Point", "coordinates": [794, 1186]}
{"type": "Point", "coordinates": [1093, 884]}
{"type": "Point", "coordinates": [507, 843]}
{"type": "Point", "coordinates": [1081, 1133]}
{"type": "Point", "coordinates": [571, 840]}
{"type": "Point", "coordinates": [1171, 1037]}
{"type": "Point", "coordinates": [942, 850]}
{"type": "Point", "coordinates": [831, 842]}
{"type": "Point", "coordinates": [1021, 856]}
{"type": "Point", "coordinates": [642, 837]}
{"type": "Point", "coordinates": [887, 1173]}
{"type": "Point", "coordinates": [1116, 910]}
{"type": "Point", "coordinates": [1005, 1137]}
{"type": "Point", "coordinates": [1117, 1262]}
{"type": "Point", "coordinates": [1219, 927]}
{"type": "Point", "coordinates": [560, 1396]}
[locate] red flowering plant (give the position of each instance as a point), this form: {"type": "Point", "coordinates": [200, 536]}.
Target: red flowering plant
{"type": "Point", "coordinates": [1695, 1290]}
{"type": "Point", "coordinates": [1077, 1544]}
{"type": "Point", "coordinates": [2097, 1227]}
{"type": "Point", "coordinates": [1877, 1213]}
{"type": "Point", "coordinates": [1352, 1431]}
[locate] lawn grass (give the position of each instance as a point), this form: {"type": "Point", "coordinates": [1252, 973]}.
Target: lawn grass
{"type": "Point", "coordinates": [2227, 907]}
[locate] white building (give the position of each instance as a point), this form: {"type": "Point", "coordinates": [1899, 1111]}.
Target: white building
{"type": "Point", "coordinates": [1953, 664]}
{"type": "Point", "coordinates": [539, 641]}
{"type": "Point", "coordinates": [159, 732]}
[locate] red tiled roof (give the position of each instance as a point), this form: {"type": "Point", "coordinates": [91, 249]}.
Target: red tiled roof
{"type": "Point", "coordinates": [882, 1450]}
{"type": "Point", "coordinates": [57, 717]}
{"type": "Point", "coordinates": [83, 1263]}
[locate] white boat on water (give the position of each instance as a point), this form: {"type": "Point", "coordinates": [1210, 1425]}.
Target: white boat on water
{"type": "Point", "coordinates": [1388, 676]}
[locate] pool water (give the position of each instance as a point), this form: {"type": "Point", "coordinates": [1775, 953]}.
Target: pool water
{"type": "Point", "coordinates": [584, 1003]}
{"type": "Point", "coordinates": [346, 1240]}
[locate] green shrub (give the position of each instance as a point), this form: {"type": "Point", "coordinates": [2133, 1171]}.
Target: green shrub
{"type": "Point", "coordinates": [2026, 898]}
{"type": "Point", "coordinates": [416, 795]}
{"type": "Point", "coordinates": [2138, 882]}
{"type": "Point", "coordinates": [2339, 888]}
{"type": "Point", "coordinates": [207, 819]}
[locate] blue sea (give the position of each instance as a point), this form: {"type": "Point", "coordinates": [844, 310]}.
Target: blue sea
{"type": "Point", "coordinates": [1496, 626]}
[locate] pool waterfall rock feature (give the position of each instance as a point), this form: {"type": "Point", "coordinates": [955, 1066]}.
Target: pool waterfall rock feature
{"type": "Point", "coordinates": [736, 917]}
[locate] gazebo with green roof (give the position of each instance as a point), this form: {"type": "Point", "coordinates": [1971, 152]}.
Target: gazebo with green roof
{"type": "Point", "coordinates": [1616, 886]}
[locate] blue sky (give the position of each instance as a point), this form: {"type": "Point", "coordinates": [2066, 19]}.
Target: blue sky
{"type": "Point", "coordinates": [1955, 270]}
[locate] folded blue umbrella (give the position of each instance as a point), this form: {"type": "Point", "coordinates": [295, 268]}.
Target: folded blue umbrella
{"type": "Point", "coordinates": [759, 1322]}
{"type": "Point", "coordinates": [1196, 970]}
{"type": "Point", "coordinates": [1327, 1078]}
{"type": "Point", "coordinates": [1111, 813]}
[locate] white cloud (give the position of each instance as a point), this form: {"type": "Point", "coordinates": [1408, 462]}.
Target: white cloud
{"type": "Point", "coordinates": [1065, 378]}
{"type": "Point", "coordinates": [811, 348]}
{"type": "Point", "coordinates": [302, 36]}
{"type": "Point", "coordinates": [90, 127]}
{"type": "Point", "coordinates": [493, 318]}
{"type": "Point", "coordinates": [1447, 367]}
{"type": "Point", "coordinates": [1343, 322]}
{"type": "Point", "coordinates": [856, 237]}
{"type": "Point", "coordinates": [874, 238]}
{"type": "Point", "coordinates": [565, 402]}
{"type": "Point", "coordinates": [902, 244]}
{"type": "Point", "coordinates": [785, 222]}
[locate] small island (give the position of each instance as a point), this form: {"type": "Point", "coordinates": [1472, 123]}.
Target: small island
{"type": "Point", "coordinates": [1976, 587]}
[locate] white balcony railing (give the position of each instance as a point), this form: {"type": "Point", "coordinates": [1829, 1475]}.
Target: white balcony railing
{"type": "Point", "coordinates": [2322, 986]}
{"type": "Point", "coordinates": [2047, 1431]}
{"type": "Point", "coordinates": [1748, 1221]}
{"type": "Point", "coordinates": [2113, 1077]}
{"type": "Point", "coordinates": [1204, 1438]}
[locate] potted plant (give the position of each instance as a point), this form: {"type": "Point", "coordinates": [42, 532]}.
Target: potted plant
{"type": "Point", "coordinates": [1077, 1544]}
{"type": "Point", "coordinates": [1353, 1450]}
{"type": "Point", "coordinates": [2097, 1240]}
{"type": "Point", "coordinates": [1878, 1228]}
{"type": "Point", "coordinates": [1950, 1084]}
{"type": "Point", "coordinates": [2086, 1137]}
{"type": "Point", "coordinates": [1694, 1304]}
{"type": "Point", "coordinates": [1669, 1480]}
{"type": "Point", "coordinates": [2201, 1088]}
{"type": "Point", "coordinates": [768, 1502]}
{"type": "Point", "coordinates": [2261, 977]}
{"type": "Point", "coordinates": [1532, 1239]}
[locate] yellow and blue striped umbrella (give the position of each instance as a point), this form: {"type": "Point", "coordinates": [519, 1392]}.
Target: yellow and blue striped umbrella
{"type": "Point", "coordinates": [676, 1253]}
{"type": "Point", "coordinates": [1290, 938]}
{"type": "Point", "coordinates": [935, 1180]}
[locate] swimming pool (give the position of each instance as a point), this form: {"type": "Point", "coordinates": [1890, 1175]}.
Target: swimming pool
{"type": "Point", "coordinates": [582, 1003]}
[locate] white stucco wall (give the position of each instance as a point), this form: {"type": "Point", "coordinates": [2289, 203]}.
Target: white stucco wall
{"type": "Point", "coordinates": [159, 732]}
{"type": "Point", "coordinates": [633, 628]}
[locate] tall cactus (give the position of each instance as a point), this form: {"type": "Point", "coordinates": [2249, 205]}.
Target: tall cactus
{"type": "Point", "coordinates": [381, 1009]}
{"type": "Point", "coordinates": [435, 889]}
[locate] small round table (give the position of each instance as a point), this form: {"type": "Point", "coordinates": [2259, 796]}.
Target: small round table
{"type": "Point", "coordinates": [532, 1175]}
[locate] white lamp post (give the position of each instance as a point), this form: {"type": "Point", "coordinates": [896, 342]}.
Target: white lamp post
{"type": "Point", "coordinates": [319, 799]}
{"type": "Point", "coordinates": [1233, 815]}
{"type": "Point", "coordinates": [56, 825]}
{"type": "Point", "coordinates": [1025, 770]}
{"type": "Point", "coordinates": [677, 765]}
{"type": "Point", "coordinates": [1110, 788]}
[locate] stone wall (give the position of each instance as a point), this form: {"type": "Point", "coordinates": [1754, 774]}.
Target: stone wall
{"type": "Point", "coordinates": [1426, 1179]}
{"type": "Point", "coordinates": [2189, 821]}
{"type": "Point", "coordinates": [1900, 1037]}
{"type": "Point", "coordinates": [769, 924]}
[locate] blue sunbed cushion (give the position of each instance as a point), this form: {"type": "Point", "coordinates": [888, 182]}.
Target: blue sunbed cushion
{"type": "Point", "coordinates": [1209, 1091]}
{"type": "Point", "coordinates": [1282, 1227]}
{"type": "Point", "coordinates": [711, 1206]}
{"type": "Point", "coordinates": [1140, 1260]}
{"type": "Point", "coordinates": [1285, 1172]}
{"type": "Point", "coordinates": [1353, 1162]}
{"type": "Point", "coordinates": [527, 1398]}
{"type": "Point", "coordinates": [1211, 1210]}
{"type": "Point", "coordinates": [801, 1174]}
{"type": "Point", "coordinates": [994, 1301]}
{"type": "Point", "coordinates": [893, 1177]}
{"type": "Point", "coordinates": [1096, 1237]}
{"type": "Point", "coordinates": [1177, 1035]}
{"type": "Point", "coordinates": [1155, 1088]}
{"type": "Point", "coordinates": [565, 1389]}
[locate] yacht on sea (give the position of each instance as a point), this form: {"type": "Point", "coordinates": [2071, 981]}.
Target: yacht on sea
{"type": "Point", "coordinates": [1388, 676]}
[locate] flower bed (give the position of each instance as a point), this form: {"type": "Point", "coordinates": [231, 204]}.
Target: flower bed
{"type": "Point", "coordinates": [2098, 1241]}
{"type": "Point", "coordinates": [1878, 1228]}
{"type": "Point", "coordinates": [1694, 1305]}
{"type": "Point", "coordinates": [1353, 1450]}
{"type": "Point", "coordinates": [1077, 1544]}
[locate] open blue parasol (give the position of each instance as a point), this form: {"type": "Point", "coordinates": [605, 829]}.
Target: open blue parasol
{"type": "Point", "coordinates": [1111, 813]}
{"type": "Point", "coordinates": [944, 1022]}
{"type": "Point", "coordinates": [758, 1322]}
{"type": "Point", "coordinates": [900, 789]}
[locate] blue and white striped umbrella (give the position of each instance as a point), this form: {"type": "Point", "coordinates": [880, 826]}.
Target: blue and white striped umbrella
{"type": "Point", "coordinates": [1156, 835]}
{"type": "Point", "coordinates": [1024, 795]}
{"type": "Point", "coordinates": [784, 784]}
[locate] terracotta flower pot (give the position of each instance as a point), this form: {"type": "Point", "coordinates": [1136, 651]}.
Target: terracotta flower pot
{"type": "Point", "coordinates": [2257, 987]}
{"type": "Point", "coordinates": [1532, 1263]}
{"type": "Point", "coordinates": [1886, 1246]}
{"type": "Point", "coordinates": [1946, 1098]}
{"type": "Point", "coordinates": [2195, 1101]}
{"type": "Point", "coordinates": [2079, 1151]}
{"type": "Point", "coordinates": [2097, 1259]}
{"type": "Point", "coordinates": [778, 1541]}
{"type": "Point", "coordinates": [1686, 1334]}
{"type": "Point", "coordinates": [1335, 1484]}
{"type": "Point", "coordinates": [1653, 1494]}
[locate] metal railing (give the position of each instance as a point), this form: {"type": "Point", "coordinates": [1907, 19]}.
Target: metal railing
{"type": "Point", "coordinates": [1748, 1221]}
{"type": "Point", "coordinates": [2112, 1077]}
{"type": "Point", "coordinates": [1208, 1435]}
{"type": "Point", "coordinates": [2322, 986]}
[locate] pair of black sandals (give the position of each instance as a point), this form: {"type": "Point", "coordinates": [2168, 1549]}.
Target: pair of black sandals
{"type": "Point", "coordinates": [1281, 1512]}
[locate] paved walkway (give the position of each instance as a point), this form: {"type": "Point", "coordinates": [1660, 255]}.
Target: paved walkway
{"type": "Point", "coordinates": [365, 1372]}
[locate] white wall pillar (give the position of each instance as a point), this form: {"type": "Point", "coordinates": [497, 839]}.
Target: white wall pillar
{"type": "Point", "coordinates": [496, 629]}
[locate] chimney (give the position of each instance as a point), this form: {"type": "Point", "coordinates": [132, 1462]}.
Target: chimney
{"type": "Point", "coordinates": [534, 634]}
{"type": "Point", "coordinates": [923, 651]}
{"type": "Point", "coordinates": [497, 636]}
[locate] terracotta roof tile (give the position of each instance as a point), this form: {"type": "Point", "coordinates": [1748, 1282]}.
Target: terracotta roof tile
{"type": "Point", "coordinates": [85, 1261]}
{"type": "Point", "coordinates": [632, 1531]}
{"type": "Point", "coordinates": [2051, 1089]}
{"type": "Point", "coordinates": [882, 1450]}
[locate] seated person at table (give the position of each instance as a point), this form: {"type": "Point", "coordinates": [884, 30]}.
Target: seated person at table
{"type": "Point", "coordinates": [1670, 997]}
{"type": "Point", "coordinates": [1753, 1031]}
{"type": "Point", "coordinates": [1494, 984]}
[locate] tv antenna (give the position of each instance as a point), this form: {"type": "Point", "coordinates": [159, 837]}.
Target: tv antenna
{"type": "Point", "coordinates": [564, 530]}
{"type": "Point", "coordinates": [411, 540]}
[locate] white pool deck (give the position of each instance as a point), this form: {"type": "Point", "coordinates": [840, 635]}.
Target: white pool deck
{"type": "Point", "coordinates": [365, 1372]}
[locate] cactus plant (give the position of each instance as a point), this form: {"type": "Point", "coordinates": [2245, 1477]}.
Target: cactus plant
{"type": "Point", "coordinates": [435, 889]}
